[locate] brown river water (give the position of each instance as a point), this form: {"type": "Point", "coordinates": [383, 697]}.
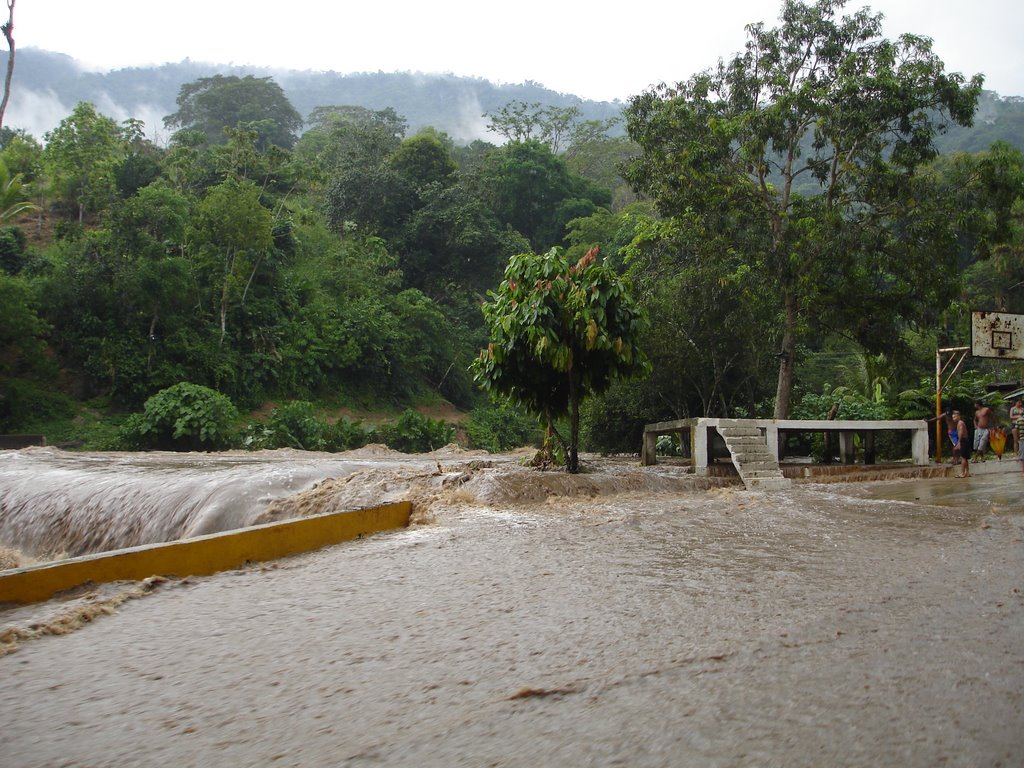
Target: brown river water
{"type": "Point", "coordinates": [625, 617]}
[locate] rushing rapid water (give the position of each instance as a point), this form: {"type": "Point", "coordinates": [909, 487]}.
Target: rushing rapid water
{"type": "Point", "coordinates": [55, 503]}
{"type": "Point", "coordinates": [621, 617]}
{"type": "Point", "coordinates": [52, 502]}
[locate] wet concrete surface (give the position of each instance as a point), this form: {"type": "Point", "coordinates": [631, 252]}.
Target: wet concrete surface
{"type": "Point", "coordinates": [858, 624]}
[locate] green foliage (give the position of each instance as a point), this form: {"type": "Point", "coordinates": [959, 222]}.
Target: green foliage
{"type": "Point", "coordinates": [713, 329]}
{"type": "Point", "coordinates": [501, 427]}
{"type": "Point", "coordinates": [454, 239]}
{"type": "Point", "coordinates": [22, 154]}
{"type": "Point", "coordinates": [22, 332]}
{"type": "Point", "coordinates": [852, 405]}
{"type": "Point", "coordinates": [530, 189]}
{"type": "Point", "coordinates": [211, 104]}
{"type": "Point", "coordinates": [345, 137]}
{"type": "Point", "coordinates": [378, 199]}
{"type": "Point", "coordinates": [13, 196]}
{"type": "Point", "coordinates": [214, 263]}
{"type": "Point", "coordinates": [25, 405]}
{"type": "Point", "coordinates": [798, 159]}
{"type": "Point", "coordinates": [423, 160]}
{"type": "Point", "coordinates": [296, 425]}
{"type": "Point", "coordinates": [958, 393]}
{"type": "Point", "coordinates": [348, 434]}
{"type": "Point", "coordinates": [80, 159]}
{"type": "Point", "coordinates": [554, 126]}
{"type": "Point", "coordinates": [614, 422]}
{"type": "Point", "coordinates": [184, 417]}
{"type": "Point", "coordinates": [559, 333]}
{"type": "Point", "coordinates": [599, 158]}
{"type": "Point", "coordinates": [232, 233]}
{"type": "Point", "coordinates": [415, 433]}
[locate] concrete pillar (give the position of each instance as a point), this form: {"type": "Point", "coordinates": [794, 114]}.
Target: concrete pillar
{"type": "Point", "coordinates": [771, 438]}
{"type": "Point", "coordinates": [648, 453]}
{"type": "Point", "coordinates": [700, 447]}
{"type": "Point", "coordinates": [847, 455]}
{"type": "Point", "coordinates": [919, 446]}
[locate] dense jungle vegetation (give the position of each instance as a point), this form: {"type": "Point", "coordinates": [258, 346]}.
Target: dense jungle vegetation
{"type": "Point", "coordinates": [270, 278]}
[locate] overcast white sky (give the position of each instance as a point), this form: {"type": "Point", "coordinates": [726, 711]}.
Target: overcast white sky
{"type": "Point", "coordinates": [594, 50]}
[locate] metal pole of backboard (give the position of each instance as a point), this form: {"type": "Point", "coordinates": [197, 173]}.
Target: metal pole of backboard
{"type": "Point", "coordinates": [940, 369]}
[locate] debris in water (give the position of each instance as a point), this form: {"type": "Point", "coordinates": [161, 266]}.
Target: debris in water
{"type": "Point", "coordinates": [528, 693]}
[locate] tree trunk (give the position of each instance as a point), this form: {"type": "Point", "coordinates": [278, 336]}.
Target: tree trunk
{"type": "Point", "coordinates": [787, 359]}
{"type": "Point", "coordinates": [572, 460]}
{"type": "Point", "coordinates": [8, 30]}
{"type": "Point", "coordinates": [151, 339]}
{"type": "Point", "coordinates": [229, 267]}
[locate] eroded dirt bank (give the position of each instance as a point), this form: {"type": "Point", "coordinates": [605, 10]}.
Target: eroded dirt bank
{"type": "Point", "coordinates": [639, 625]}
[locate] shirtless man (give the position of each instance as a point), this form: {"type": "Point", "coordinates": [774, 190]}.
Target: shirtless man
{"type": "Point", "coordinates": [982, 419]}
{"type": "Point", "coordinates": [1017, 424]}
{"type": "Point", "coordinates": [960, 447]}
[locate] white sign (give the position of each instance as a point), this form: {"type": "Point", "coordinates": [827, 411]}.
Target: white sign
{"type": "Point", "coordinates": [997, 334]}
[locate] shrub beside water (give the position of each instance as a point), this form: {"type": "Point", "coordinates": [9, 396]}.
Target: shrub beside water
{"type": "Point", "coordinates": [416, 433]}
{"type": "Point", "coordinates": [184, 417]}
{"type": "Point", "coordinates": [190, 417]}
{"type": "Point", "coordinates": [349, 434]}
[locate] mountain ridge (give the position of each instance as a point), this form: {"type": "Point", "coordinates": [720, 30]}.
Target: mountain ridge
{"type": "Point", "coordinates": [48, 85]}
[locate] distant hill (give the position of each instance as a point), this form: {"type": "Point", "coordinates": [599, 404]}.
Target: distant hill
{"type": "Point", "coordinates": [48, 85]}
{"type": "Point", "coordinates": [998, 119]}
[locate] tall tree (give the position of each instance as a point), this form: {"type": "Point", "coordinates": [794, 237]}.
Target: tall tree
{"type": "Point", "coordinates": [424, 160]}
{"type": "Point", "coordinates": [802, 151]}
{"type": "Point", "coordinates": [991, 186]}
{"type": "Point", "coordinates": [530, 189]}
{"type": "Point", "coordinates": [518, 121]}
{"type": "Point", "coordinates": [211, 104]}
{"type": "Point", "coordinates": [80, 158]}
{"type": "Point", "coordinates": [232, 234]}
{"type": "Point", "coordinates": [559, 333]}
{"type": "Point", "coordinates": [342, 137]}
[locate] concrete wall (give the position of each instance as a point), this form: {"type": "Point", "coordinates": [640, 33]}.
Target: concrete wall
{"type": "Point", "coordinates": [201, 555]}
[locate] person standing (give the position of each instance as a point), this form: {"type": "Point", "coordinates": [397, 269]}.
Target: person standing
{"type": "Point", "coordinates": [1017, 426]}
{"type": "Point", "coordinates": [960, 449]}
{"type": "Point", "coordinates": [950, 424]}
{"type": "Point", "coordinates": [982, 422]}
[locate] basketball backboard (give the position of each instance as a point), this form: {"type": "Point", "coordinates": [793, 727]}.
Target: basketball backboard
{"type": "Point", "coordinates": [997, 334]}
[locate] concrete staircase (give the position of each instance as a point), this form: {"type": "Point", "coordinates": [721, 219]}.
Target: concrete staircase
{"type": "Point", "coordinates": [758, 468]}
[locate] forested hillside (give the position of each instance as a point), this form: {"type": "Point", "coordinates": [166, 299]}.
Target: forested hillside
{"type": "Point", "coordinates": [50, 84]}
{"type": "Point", "coordinates": [296, 246]}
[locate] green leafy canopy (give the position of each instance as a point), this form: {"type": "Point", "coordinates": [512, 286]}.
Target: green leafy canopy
{"type": "Point", "coordinates": [558, 333]}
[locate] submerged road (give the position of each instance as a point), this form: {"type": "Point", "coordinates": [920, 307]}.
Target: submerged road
{"type": "Point", "coordinates": [825, 625]}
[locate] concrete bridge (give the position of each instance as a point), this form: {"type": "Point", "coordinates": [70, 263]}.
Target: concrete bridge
{"type": "Point", "coordinates": [756, 446]}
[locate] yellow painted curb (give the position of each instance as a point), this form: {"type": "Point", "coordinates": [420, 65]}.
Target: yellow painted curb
{"type": "Point", "coordinates": [202, 555]}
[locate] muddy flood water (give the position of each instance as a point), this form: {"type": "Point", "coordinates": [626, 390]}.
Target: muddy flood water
{"type": "Point", "coordinates": [624, 617]}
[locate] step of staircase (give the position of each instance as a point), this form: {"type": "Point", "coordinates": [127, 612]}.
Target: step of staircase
{"type": "Point", "coordinates": [757, 467]}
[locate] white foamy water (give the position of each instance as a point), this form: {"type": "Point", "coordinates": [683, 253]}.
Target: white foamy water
{"type": "Point", "coordinates": [618, 618]}
{"type": "Point", "coordinates": [55, 502]}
